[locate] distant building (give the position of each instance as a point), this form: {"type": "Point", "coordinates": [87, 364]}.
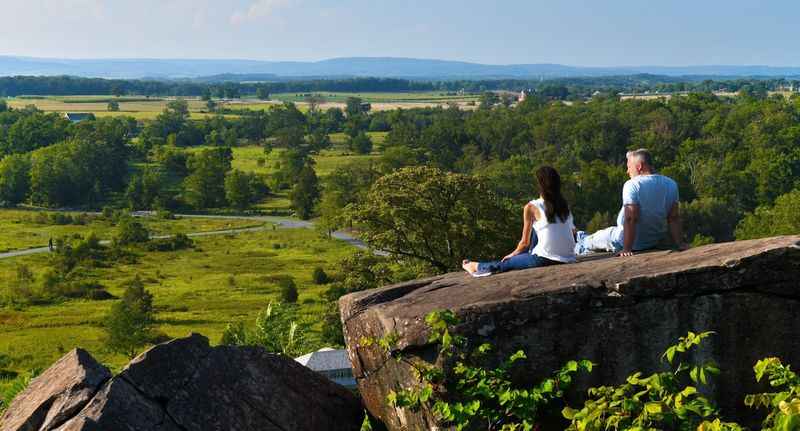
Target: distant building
{"type": "Point", "coordinates": [333, 364]}
{"type": "Point", "coordinates": [77, 117]}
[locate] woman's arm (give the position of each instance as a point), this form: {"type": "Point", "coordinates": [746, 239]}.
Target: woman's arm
{"type": "Point", "coordinates": [528, 217]}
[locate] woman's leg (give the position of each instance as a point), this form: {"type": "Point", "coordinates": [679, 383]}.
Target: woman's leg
{"type": "Point", "coordinates": [520, 261]}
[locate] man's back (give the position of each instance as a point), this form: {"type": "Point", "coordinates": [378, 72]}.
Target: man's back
{"type": "Point", "coordinates": [655, 195]}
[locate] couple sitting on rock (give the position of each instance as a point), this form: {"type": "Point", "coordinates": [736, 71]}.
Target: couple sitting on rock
{"type": "Point", "coordinates": [649, 206]}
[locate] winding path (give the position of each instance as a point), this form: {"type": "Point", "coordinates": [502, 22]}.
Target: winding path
{"type": "Point", "coordinates": [280, 222]}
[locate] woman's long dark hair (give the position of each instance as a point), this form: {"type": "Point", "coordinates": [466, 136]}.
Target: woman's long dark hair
{"type": "Point", "coordinates": [550, 189]}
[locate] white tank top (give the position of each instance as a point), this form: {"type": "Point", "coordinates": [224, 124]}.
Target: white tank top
{"type": "Point", "coordinates": [555, 240]}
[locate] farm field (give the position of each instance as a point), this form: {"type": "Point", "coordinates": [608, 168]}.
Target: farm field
{"type": "Point", "coordinates": [20, 230]}
{"type": "Point", "coordinates": [143, 108]}
{"type": "Point", "coordinates": [140, 108]}
{"type": "Point", "coordinates": [224, 279]}
{"type": "Point", "coordinates": [384, 101]}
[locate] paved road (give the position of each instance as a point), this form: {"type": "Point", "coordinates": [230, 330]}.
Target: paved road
{"type": "Point", "coordinates": [280, 222]}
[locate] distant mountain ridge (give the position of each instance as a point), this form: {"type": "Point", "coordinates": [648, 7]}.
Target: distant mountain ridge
{"type": "Point", "coordinates": [389, 67]}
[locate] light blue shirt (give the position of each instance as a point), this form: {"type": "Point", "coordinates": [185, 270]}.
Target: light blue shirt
{"type": "Point", "coordinates": [655, 195]}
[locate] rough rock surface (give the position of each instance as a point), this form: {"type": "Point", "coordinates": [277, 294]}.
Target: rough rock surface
{"type": "Point", "coordinates": [56, 394]}
{"type": "Point", "coordinates": [185, 384]}
{"type": "Point", "coordinates": [618, 312]}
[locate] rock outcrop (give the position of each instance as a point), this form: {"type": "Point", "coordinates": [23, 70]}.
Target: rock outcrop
{"type": "Point", "coordinates": [620, 313]}
{"type": "Point", "coordinates": [184, 385]}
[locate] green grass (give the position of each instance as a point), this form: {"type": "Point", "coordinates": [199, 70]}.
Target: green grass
{"type": "Point", "coordinates": [19, 231]}
{"type": "Point", "coordinates": [192, 290]}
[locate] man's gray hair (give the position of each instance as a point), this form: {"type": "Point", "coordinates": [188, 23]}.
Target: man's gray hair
{"type": "Point", "coordinates": [641, 155]}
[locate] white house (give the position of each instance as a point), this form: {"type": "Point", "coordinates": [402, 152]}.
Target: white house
{"type": "Point", "coordinates": [333, 364]}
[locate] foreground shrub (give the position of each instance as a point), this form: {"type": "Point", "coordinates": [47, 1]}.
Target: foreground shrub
{"type": "Point", "coordinates": [278, 329]}
{"type": "Point", "coordinates": [664, 401]}
{"type": "Point", "coordinates": [784, 405]}
{"type": "Point", "coordinates": [472, 395]}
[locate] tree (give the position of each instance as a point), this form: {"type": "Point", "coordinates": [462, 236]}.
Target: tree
{"type": "Point", "coordinates": [361, 143]}
{"type": "Point", "coordinates": [15, 181]}
{"type": "Point", "coordinates": [3, 105]}
{"type": "Point", "coordinates": [238, 189]}
{"type": "Point", "coordinates": [129, 324]}
{"type": "Point", "coordinates": [146, 189]}
{"type": "Point", "coordinates": [262, 93]}
{"type": "Point", "coordinates": [305, 193]}
{"type": "Point", "coordinates": [113, 106]}
{"type": "Point", "coordinates": [131, 231]}
{"type": "Point", "coordinates": [782, 218]}
{"type": "Point", "coordinates": [435, 217]}
{"type": "Point", "coordinates": [489, 99]}
{"type": "Point", "coordinates": [205, 186]}
{"type": "Point", "coordinates": [288, 290]}
{"type": "Point", "coordinates": [354, 106]}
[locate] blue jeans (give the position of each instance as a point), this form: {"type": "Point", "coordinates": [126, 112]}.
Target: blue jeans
{"type": "Point", "coordinates": [608, 239]}
{"type": "Point", "coordinates": [523, 260]}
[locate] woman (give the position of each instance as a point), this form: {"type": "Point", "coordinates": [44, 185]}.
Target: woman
{"type": "Point", "coordinates": [552, 241]}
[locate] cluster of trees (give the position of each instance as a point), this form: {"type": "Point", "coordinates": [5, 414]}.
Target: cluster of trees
{"type": "Point", "coordinates": [729, 157]}
{"type": "Point", "coordinates": [235, 86]}
{"type": "Point", "coordinates": [50, 162]}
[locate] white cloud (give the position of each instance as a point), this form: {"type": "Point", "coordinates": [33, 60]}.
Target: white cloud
{"type": "Point", "coordinates": [259, 9]}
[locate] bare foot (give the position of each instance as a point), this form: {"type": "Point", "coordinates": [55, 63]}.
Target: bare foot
{"type": "Point", "coordinates": [470, 267]}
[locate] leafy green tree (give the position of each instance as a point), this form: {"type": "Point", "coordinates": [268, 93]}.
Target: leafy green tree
{"type": "Point", "coordinates": [205, 186]}
{"type": "Point", "coordinates": [354, 106]}
{"type": "Point", "coordinates": [288, 290]}
{"type": "Point", "coordinates": [172, 120]}
{"type": "Point", "coordinates": [146, 190]}
{"type": "Point", "coordinates": [238, 189]}
{"type": "Point", "coordinates": [361, 143]}
{"type": "Point", "coordinates": [435, 217]}
{"type": "Point", "coordinates": [783, 218]}
{"type": "Point", "coordinates": [15, 181]}
{"type": "Point", "coordinates": [129, 324]}
{"type": "Point", "coordinates": [3, 105]}
{"type": "Point", "coordinates": [113, 106]}
{"type": "Point", "coordinates": [289, 165]}
{"type": "Point", "coordinates": [131, 231]}
{"type": "Point", "coordinates": [488, 99]}
{"type": "Point", "coordinates": [32, 131]}
{"type": "Point", "coordinates": [305, 193]}
{"type": "Point", "coordinates": [262, 93]}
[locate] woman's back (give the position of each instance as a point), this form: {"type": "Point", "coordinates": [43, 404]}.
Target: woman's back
{"type": "Point", "coordinates": [555, 241]}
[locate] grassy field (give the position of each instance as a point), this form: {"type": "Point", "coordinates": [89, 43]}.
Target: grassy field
{"type": "Point", "coordinates": [136, 107]}
{"type": "Point", "coordinates": [226, 278]}
{"type": "Point", "coordinates": [143, 108]}
{"type": "Point", "coordinates": [397, 97]}
{"type": "Point", "coordinates": [19, 230]}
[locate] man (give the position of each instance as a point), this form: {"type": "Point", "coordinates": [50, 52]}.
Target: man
{"type": "Point", "coordinates": [649, 206]}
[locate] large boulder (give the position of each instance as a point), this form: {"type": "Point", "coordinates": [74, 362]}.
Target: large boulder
{"type": "Point", "coordinates": [618, 312]}
{"type": "Point", "coordinates": [57, 394]}
{"type": "Point", "coordinates": [186, 384]}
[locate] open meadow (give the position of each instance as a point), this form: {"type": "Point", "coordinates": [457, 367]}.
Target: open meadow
{"type": "Point", "coordinates": [223, 279]}
{"type": "Point", "coordinates": [23, 229]}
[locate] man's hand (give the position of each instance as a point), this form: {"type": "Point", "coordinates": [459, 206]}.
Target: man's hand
{"type": "Point", "coordinates": [626, 253]}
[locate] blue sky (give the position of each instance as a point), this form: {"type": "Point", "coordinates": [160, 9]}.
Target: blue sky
{"type": "Point", "coordinates": [573, 32]}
